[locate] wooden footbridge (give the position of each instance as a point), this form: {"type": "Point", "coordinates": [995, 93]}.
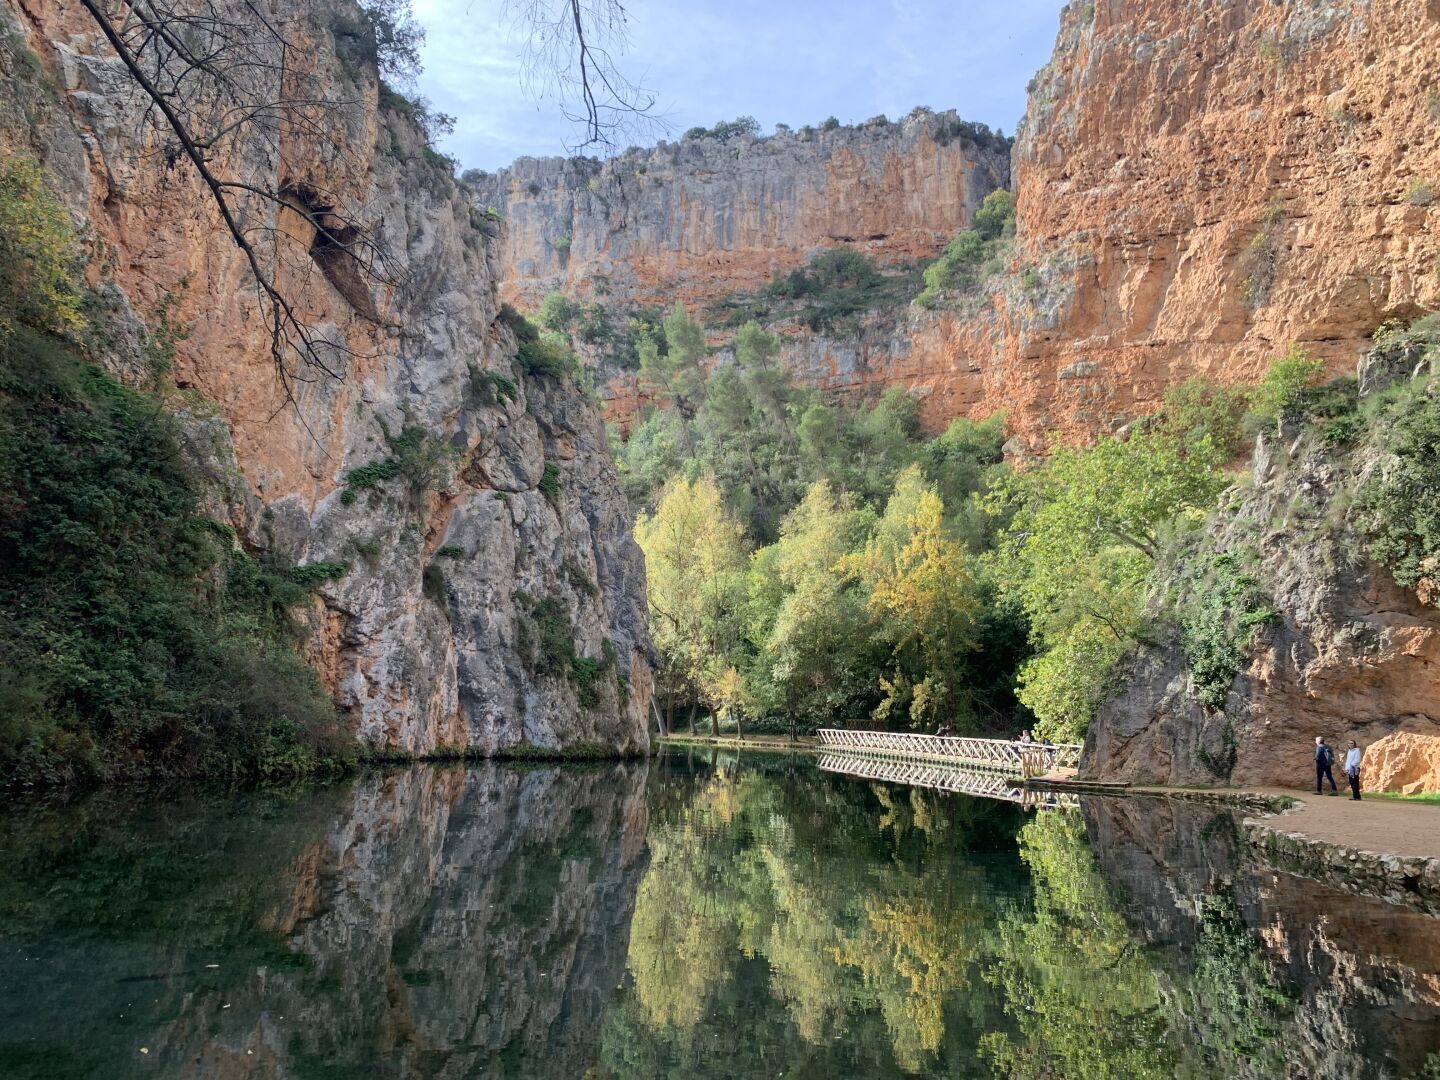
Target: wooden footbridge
{"type": "Point", "coordinates": [946, 777]}
{"type": "Point", "coordinates": [1023, 759]}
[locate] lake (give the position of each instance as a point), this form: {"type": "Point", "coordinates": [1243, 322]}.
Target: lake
{"type": "Point", "coordinates": [699, 915]}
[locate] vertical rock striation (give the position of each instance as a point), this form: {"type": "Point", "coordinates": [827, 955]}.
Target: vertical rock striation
{"type": "Point", "coordinates": [496, 505]}
{"type": "Point", "coordinates": [1199, 185]}
{"type": "Point", "coordinates": [705, 220]}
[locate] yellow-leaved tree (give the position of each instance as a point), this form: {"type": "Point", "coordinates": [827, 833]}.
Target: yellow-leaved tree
{"type": "Point", "coordinates": [922, 593]}
{"type": "Point", "coordinates": [695, 562]}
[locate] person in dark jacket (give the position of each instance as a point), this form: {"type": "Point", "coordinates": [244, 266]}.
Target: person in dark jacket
{"type": "Point", "coordinates": [1324, 758]}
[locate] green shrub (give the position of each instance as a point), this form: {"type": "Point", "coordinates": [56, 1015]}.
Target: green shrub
{"type": "Point", "coordinates": [415, 454]}
{"type": "Point", "coordinates": [367, 477]}
{"type": "Point", "coordinates": [1397, 505]}
{"type": "Point", "coordinates": [972, 256]}
{"type": "Point", "coordinates": [1395, 334]}
{"type": "Point", "coordinates": [1420, 193]}
{"type": "Point", "coordinates": [382, 34]}
{"type": "Point", "coordinates": [38, 257]}
{"type": "Point", "coordinates": [585, 674]}
{"type": "Point", "coordinates": [313, 575]}
{"type": "Point", "coordinates": [134, 639]}
{"type": "Point", "coordinates": [547, 648]}
{"type": "Point", "coordinates": [549, 484]}
{"type": "Point", "coordinates": [1283, 384]}
{"type": "Point", "coordinates": [996, 215]}
{"type": "Point", "coordinates": [558, 312]}
{"type": "Point", "coordinates": [1218, 620]}
{"type": "Point", "coordinates": [547, 354]}
{"type": "Point", "coordinates": [834, 289]}
{"type": "Point", "coordinates": [491, 387]}
{"type": "Point", "coordinates": [579, 580]}
{"type": "Point", "coordinates": [547, 641]}
{"type": "Point", "coordinates": [450, 551]}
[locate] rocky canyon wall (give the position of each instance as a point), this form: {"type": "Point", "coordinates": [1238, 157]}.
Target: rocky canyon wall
{"type": "Point", "coordinates": [705, 220]}
{"type": "Point", "coordinates": [486, 510]}
{"type": "Point", "coordinates": [1340, 649]}
{"type": "Point", "coordinates": [1198, 186]}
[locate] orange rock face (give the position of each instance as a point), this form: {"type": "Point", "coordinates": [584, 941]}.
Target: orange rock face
{"type": "Point", "coordinates": [419, 645]}
{"type": "Point", "coordinates": [1402, 762]}
{"type": "Point", "coordinates": [703, 220]}
{"type": "Point", "coordinates": [1198, 187]}
{"type": "Point", "coordinates": [700, 219]}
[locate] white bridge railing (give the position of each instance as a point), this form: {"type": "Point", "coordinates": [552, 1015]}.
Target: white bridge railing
{"type": "Point", "coordinates": [932, 774]}
{"type": "Point", "coordinates": [1013, 758]}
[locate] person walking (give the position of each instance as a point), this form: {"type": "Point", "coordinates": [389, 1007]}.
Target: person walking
{"type": "Point", "coordinates": [1352, 769]}
{"type": "Point", "coordinates": [1324, 758]}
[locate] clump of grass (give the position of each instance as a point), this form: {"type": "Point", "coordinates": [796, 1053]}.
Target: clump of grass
{"type": "Point", "coordinates": [312, 575]}
{"type": "Point", "coordinates": [549, 484]}
{"type": "Point", "coordinates": [1420, 192]}
{"type": "Point", "coordinates": [492, 387]}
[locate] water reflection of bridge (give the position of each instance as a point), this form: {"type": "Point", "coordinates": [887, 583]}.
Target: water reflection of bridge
{"type": "Point", "coordinates": [931, 774]}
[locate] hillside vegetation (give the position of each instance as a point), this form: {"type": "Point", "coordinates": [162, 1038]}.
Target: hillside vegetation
{"type": "Point", "coordinates": [136, 637]}
{"type": "Point", "coordinates": [812, 563]}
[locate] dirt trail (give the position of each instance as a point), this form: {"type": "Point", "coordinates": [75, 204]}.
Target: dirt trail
{"type": "Point", "coordinates": [1389, 826]}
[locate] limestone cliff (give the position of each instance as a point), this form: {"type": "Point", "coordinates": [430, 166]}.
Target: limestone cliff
{"type": "Point", "coordinates": [1198, 186]}
{"type": "Point", "coordinates": [491, 510]}
{"type": "Point", "coordinates": [704, 220]}
{"type": "Point", "coordinates": [1342, 651]}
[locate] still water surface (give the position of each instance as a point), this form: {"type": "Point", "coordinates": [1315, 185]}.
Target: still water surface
{"type": "Point", "coordinates": [692, 917]}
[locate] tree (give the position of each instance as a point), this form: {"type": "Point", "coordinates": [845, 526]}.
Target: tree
{"type": "Point", "coordinates": [1080, 545]}
{"type": "Point", "coordinates": [1283, 384]}
{"type": "Point", "coordinates": [996, 215]}
{"type": "Point", "coordinates": [675, 376]}
{"type": "Point", "coordinates": [810, 637]}
{"type": "Point", "coordinates": [695, 564]}
{"type": "Point", "coordinates": [223, 76]}
{"type": "Point", "coordinates": [922, 593]}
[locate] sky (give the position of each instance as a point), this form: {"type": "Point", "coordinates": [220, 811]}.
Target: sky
{"type": "Point", "coordinates": [782, 61]}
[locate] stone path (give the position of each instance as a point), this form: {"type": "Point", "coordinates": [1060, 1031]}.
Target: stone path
{"type": "Point", "coordinates": [1390, 826]}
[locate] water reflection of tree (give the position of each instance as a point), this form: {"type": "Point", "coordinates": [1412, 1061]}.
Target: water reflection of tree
{"type": "Point", "coordinates": [817, 928]}
{"type": "Point", "coordinates": [1086, 999]}
{"type": "Point", "coordinates": [865, 938]}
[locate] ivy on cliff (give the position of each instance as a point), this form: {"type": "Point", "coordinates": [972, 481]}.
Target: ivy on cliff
{"type": "Point", "coordinates": [134, 637]}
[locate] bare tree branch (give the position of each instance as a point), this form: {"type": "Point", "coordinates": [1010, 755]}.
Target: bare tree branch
{"type": "Point", "coordinates": [569, 54]}
{"type": "Point", "coordinates": [221, 77]}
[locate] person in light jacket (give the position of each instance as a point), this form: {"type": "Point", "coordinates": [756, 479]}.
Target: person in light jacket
{"type": "Point", "coordinates": [1352, 768]}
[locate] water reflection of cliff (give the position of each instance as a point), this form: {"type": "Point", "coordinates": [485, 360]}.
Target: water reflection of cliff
{"type": "Point", "coordinates": [1291, 977]}
{"type": "Point", "coordinates": [434, 922]}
